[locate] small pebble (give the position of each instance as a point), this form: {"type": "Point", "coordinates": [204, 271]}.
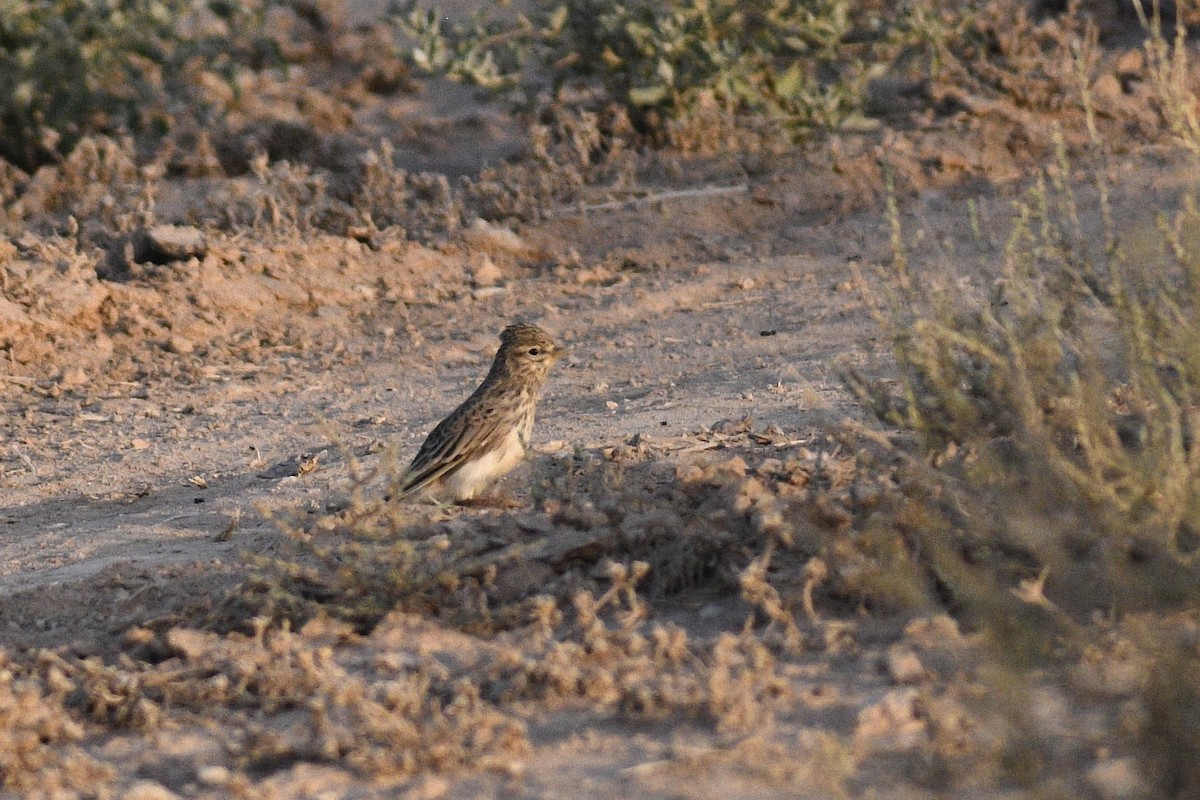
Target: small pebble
{"type": "Point", "coordinates": [213, 775]}
{"type": "Point", "coordinates": [149, 790]}
{"type": "Point", "coordinates": [903, 666]}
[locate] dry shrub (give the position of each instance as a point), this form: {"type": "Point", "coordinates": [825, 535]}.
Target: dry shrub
{"type": "Point", "coordinates": [716, 523]}
{"type": "Point", "coordinates": [720, 77]}
{"type": "Point", "coordinates": [1070, 383]}
{"type": "Point", "coordinates": [287, 197]}
{"type": "Point", "coordinates": [1005, 51]}
{"type": "Point", "coordinates": [1053, 472]}
{"type": "Point", "coordinates": [423, 205]}
{"type": "Point", "coordinates": [321, 694]}
{"type": "Point", "coordinates": [1171, 74]}
{"type": "Point", "coordinates": [72, 69]}
{"type": "Point", "coordinates": [1009, 66]}
{"type": "Point", "coordinates": [615, 659]}
{"type": "Point", "coordinates": [383, 717]}
{"type": "Point", "coordinates": [569, 591]}
{"type": "Point", "coordinates": [790, 61]}
{"type": "Point", "coordinates": [570, 150]}
{"type": "Point", "coordinates": [40, 733]}
{"type": "Point", "coordinates": [99, 183]}
{"type": "Point", "coordinates": [360, 577]}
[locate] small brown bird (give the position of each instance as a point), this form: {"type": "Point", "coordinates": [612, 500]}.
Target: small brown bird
{"type": "Point", "coordinates": [488, 434]}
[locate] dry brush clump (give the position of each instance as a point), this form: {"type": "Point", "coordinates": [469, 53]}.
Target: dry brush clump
{"type": "Point", "coordinates": [324, 694]}
{"type": "Point", "coordinates": [788, 67]}
{"type": "Point", "coordinates": [1068, 378]}
{"type": "Point", "coordinates": [615, 658]}
{"type": "Point", "coordinates": [699, 523]}
{"type": "Point", "coordinates": [570, 150]}
{"type": "Point", "coordinates": [570, 590]}
{"type": "Point", "coordinates": [320, 695]}
{"type": "Point", "coordinates": [41, 732]}
{"type": "Point", "coordinates": [1053, 470]}
{"type": "Point", "coordinates": [422, 205]}
{"type": "Point", "coordinates": [71, 69]}
{"type": "Point", "coordinates": [725, 77]}
{"type": "Point", "coordinates": [562, 607]}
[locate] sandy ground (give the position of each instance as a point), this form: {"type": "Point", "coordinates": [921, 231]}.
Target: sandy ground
{"type": "Point", "coordinates": [154, 429]}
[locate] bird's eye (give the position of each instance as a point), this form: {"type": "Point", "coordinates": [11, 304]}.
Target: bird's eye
{"type": "Point", "coordinates": [533, 351]}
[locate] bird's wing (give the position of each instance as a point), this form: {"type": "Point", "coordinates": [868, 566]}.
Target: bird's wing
{"type": "Point", "coordinates": [452, 442]}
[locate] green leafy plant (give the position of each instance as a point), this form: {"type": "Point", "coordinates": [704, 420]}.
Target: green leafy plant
{"type": "Point", "coordinates": [757, 58]}
{"type": "Point", "coordinates": [69, 68]}
{"type": "Point", "coordinates": [783, 59]}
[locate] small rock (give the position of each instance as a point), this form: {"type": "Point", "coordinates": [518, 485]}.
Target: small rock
{"type": "Point", "coordinates": [163, 244]}
{"type": "Point", "coordinates": [1117, 779]}
{"type": "Point", "coordinates": [732, 427]}
{"type": "Point", "coordinates": [496, 239]}
{"type": "Point", "coordinates": [180, 345]}
{"type": "Point", "coordinates": [903, 666]}
{"type": "Point", "coordinates": [213, 775]}
{"type": "Point", "coordinates": [487, 273]}
{"type": "Point", "coordinates": [488, 291]}
{"type": "Point", "coordinates": [149, 790]}
{"type": "Point", "coordinates": [72, 378]}
{"type": "Point", "coordinates": [139, 444]}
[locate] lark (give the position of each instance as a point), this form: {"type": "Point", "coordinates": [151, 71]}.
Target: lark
{"type": "Point", "coordinates": [488, 434]}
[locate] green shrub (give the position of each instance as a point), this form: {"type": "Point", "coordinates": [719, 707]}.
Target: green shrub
{"type": "Point", "coordinates": [785, 60]}
{"type": "Point", "coordinates": [762, 58]}
{"type": "Point", "coordinates": [69, 68]}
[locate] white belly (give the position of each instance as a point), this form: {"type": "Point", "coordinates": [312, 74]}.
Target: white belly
{"type": "Point", "coordinates": [475, 475]}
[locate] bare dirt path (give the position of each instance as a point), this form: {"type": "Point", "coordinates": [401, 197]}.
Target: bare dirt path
{"type": "Point", "coordinates": [664, 339]}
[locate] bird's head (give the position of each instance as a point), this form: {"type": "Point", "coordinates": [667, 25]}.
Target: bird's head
{"type": "Point", "coordinates": [528, 350]}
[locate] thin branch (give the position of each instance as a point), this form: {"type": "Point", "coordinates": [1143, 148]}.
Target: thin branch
{"type": "Point", "coordinates": [634, 202]}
